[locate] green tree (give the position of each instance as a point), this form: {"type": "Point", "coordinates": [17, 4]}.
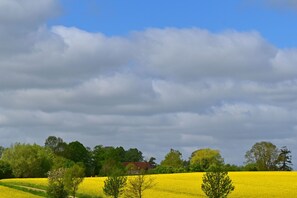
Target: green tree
{"type": "Point", "coordinates": [284, 160]}
{"type": "Point", "coordinates": [56, 185]}
{"type": "Point", "coordinates": [56, 144]}
{"type": "Point", "coordinates": [119, 153]}
{"type": "Point", "coordinates": [173, 159]}
{"type": "Point", "coordinates": [109, 166]}
{"type": "Point", "coordinates": [5, 170]}
{"type": "Point", "coordinates": [217, 183]}
{"type": "Point", "coordinates": [98, 157]}
{"type": "Point", "coordinates": [133, 155]}
{"type": "Point", "coordinates": [77, 152]}
{"type": "Point", "coordinates": [138, 184]}
{"type": "Point", "coordinates": [1, 151]}
{"type": "Point", "coordinates": [28, 160]}
{"type": "Point", "coordinates": [264, 155]}
{"type": "Point", "coordinates": [202, 159]}
{"type": "Point", "coordinates": [62, 162]}
{"type": "Point", "coordinates": [107, 159]}
{"type": "Point", "coordinates": [114, 185]}
{"type": "Point", "coordinates": [72, 178]}
{"type": "Point", "coordinates": [250, 167]}
{"type": "Point", "coordinates": [152, 162]}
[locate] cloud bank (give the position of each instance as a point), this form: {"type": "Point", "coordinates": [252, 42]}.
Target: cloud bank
{"type": "Point", "coordinates": [155, 89]}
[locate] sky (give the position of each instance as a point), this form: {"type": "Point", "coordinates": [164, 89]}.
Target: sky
{"type": "Point", "coordinates": [154, 75]}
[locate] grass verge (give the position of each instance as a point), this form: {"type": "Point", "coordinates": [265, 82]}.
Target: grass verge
{"type": "Point", "coordinates": [37, 189]}
{"type": "Point", "coordinates": [39, 192]}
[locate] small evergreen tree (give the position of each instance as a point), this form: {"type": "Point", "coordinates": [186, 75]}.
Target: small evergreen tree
{"type": "Point", "coordinates": [217, 183]}
{"type": "Point", "coordinates": [284, 160]}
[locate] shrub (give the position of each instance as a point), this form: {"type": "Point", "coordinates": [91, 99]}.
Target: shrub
{"type": "Point", "coordinates": [64, 181]}
{"type": "Point", "coordinates": [72, 178]}
{"type": "Point", "coordinates": [56, 186]}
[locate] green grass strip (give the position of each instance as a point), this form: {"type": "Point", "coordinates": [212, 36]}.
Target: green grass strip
{"type": "Point", "coordinates": [24, 189]}
{"type": "Point", "coordinates": [40, 189]}
{"type": "Point", "coordinates": [24, 184]}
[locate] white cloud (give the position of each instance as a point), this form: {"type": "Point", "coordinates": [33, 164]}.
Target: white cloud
{"type": "Point", "coordinates": [16, 12]}
{"type": "Point", "coordinates": [155, 89]}
{"type": "Point", "coordinates": [285, 62]}
{"type": "Point", "coordinates": [194, 53]}
{"type": "Point", "coordinates": [19, 21]}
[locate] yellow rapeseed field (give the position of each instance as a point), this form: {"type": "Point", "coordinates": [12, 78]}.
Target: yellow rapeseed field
{"type": "Point", "coordinates": [188, 185]}
{"type": "Point", "coordinates": [11, 193]}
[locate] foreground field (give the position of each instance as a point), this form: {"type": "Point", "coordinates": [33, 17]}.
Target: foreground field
{"type": "Point", "coordinates": [9, 193]}
{"type": "Point", "coordinates": [187, 185]}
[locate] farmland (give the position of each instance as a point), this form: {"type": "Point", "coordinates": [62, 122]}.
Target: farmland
{"type": "Point", "coordinates": [187, 185]}
{"type": "Point", "coordinates": [8, 193]}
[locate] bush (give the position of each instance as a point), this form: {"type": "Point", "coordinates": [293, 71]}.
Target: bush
{"type": "Point", "coordinates": [64, 181]}
{"type": "Point", "coordinates": [72, 178]}
{"type": "Point", "coordinates": [250, 167]}
{"type": "Point", "coordinates": [232, 167]}
{"type": "Point", "coordinates": [56, 186]}
{"type": "Point", "coordinates": [196, 168]}
{"type": "Point", "coordinates": [165, 169]}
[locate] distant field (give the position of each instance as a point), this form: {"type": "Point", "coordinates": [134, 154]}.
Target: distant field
{"type": "Point", "coordinates": [187, 185]}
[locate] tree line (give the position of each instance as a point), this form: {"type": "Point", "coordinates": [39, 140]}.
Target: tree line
{"type": "Point", "coordinates": [263, 156]}
{"type": "Point", "coordinates": [32, 160]}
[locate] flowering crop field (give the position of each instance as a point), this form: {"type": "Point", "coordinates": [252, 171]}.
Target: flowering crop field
{"type": "Point", "coordinates": [188, 185]}
{"type": "Point", "coordinates": [9, 193]}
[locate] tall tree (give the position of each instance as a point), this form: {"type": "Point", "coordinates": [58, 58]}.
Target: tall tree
{"type": "Point", "coordinates": [264, 155]}
{"type": "Point", "coordinates": [133, 155]}
{"type": "Point", "coordinates": [28, 160]}
{"type": "Point", "coordinates": [284, 159]}
{"type": "Point", "coordinates": [119, 153]}
{"type": "Point", "coordinates": [56, 144]}
{"type": "Point", "coordinates": [152, 162]}
{"type": "Point", "coordinates": [98, 157]}
{"type": "Point", "coordinates": [5, 170]}
{"type": "Point", "coordinates": [202, 159]}
{"type": "Point", "coordinates": [173, 159]}
{"type": "Point", "coordinates": [107, 159]}
{"type": "Point", "coordinates": [77, 152]}
{"type": "Point", "coordinates": [1, 151]}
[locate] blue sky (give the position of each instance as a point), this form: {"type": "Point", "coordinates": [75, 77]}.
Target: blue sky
{"type": "Point", "coordinates": [115, 17]}
{"type": "Point", "coordinates": [154, 75]}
